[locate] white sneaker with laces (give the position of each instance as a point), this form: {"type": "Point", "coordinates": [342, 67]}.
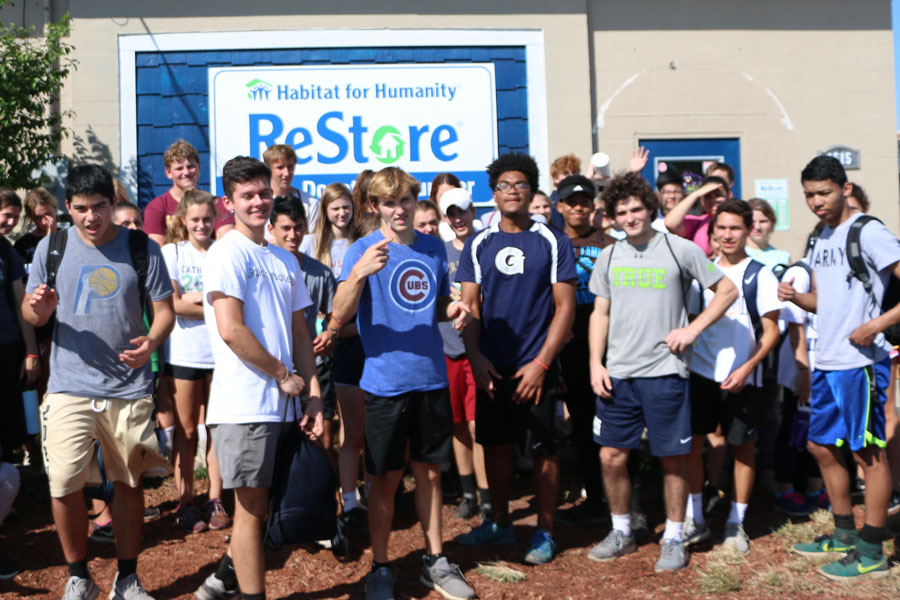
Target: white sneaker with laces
{"type": "Point", "coordinates": [79, 588]}
{"type": "Point", "coordinates": [129, 588]}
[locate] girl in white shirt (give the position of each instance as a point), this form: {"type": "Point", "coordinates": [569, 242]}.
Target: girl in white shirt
{"type": "Point", "coordinates": [188, 358]}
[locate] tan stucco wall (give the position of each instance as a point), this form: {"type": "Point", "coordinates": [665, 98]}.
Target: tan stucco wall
{"type": "Point", "coordinates": [836, 88]}
{"type": "Point", "coordinates": [93, 91]}
{"type": "Point", "coordinates": [829, 63]}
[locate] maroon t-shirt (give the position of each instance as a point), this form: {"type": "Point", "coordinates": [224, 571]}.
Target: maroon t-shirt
{"type": "Point", "coordinates": [159, 212]}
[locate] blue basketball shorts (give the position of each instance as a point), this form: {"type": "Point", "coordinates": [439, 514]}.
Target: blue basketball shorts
{"type": "Point", "coordinates": [848, 406]}
{"type": "Point", "coordinates": [661, 404]}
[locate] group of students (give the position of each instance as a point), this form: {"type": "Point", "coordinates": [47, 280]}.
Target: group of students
{"type": "Point", "coordinates": [429, 348]}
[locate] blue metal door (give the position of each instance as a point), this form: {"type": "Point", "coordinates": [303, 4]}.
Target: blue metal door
{"type": "Point", "coordinates": [692, 156]}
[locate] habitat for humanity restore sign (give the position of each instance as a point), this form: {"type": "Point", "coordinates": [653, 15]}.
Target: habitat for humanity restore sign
{"type": "Point", "coordinates": [423, 118]}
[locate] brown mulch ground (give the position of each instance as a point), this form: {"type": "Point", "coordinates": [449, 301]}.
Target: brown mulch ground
{"type": "Point", "coordinates": [172, 565]}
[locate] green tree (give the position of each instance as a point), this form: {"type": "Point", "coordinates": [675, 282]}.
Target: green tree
{"type": "Point", "coordinates": [32, 71]}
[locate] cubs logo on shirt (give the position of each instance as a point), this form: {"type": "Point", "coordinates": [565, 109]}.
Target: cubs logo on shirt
{"type": "Point", "coordinates": [413, 285]}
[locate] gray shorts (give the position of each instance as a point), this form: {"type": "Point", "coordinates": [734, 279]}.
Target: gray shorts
{"type": "Point", "coordinates": [246, 453]}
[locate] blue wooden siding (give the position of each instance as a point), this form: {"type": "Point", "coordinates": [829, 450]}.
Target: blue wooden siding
{"type": "Point", "coordinates": [172, 95]}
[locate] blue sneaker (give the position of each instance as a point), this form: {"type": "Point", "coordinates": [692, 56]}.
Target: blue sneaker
{"type": "Point", "coordinates": [541, 548]}
{"type": "Point", "coordinates": [488, 534]}
{"type": "Point", "coordinates": [792, 504]}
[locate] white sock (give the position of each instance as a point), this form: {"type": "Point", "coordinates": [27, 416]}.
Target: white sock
{"type": "Point", "coordinates": [201, 438]}
{"type": "Point", "coordinates": [622, 523]}
{"type": "Point", "coordinates": [166, 437]}
{"type": "Point", "coordinates": [738, 511]}
{"type": "Point", "coordinates": [673, 531]}
{"type": "Point", "coordinates": [695, 508]}
{"type": "Point", "coordinates": [349, 501]}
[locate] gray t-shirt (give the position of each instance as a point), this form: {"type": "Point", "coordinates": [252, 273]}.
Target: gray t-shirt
{"type": "Point", "coordinates": [843, 304]}
{"type": "Point", "coordinates": [99, 312]}
{"type": "Point", "coordinates": [453, 344]}
{"type": "Point", "coordinates": [647, 292]}
{"type": "Point", "coordinates": [321, 285]}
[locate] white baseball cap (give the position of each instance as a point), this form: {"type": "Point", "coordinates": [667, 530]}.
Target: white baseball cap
{"type": "Point", "coordinates": [457, 197]}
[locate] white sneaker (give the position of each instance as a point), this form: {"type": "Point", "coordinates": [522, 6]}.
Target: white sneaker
{"type": "Point", "coordinates": [737, 538]}
{"type": "Point", "coordinates": [129, 588]}
{"type": "Point", "coordinates": [79, 588]}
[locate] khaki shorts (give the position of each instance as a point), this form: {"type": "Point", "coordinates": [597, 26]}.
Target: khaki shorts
{"type": "Point", "coordinates": [70, 426]}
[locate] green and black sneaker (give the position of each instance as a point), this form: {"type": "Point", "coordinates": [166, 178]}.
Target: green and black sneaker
{"type": "Point", "coordinates": [857, 565]}
{"type": "Point", "coordinates": [825, 545]}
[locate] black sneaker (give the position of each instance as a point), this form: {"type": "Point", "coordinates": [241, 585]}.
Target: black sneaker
{"type": "Point", "coordinates": [467, 509]}
{"type": "Point", "coordinates": [103, 534]}
{"type": "Point", "coordinates": [586, 513]}
{"type": "Point", "coordinates": [355, 520]}
{"type": "Point", "coordinates": [8, 569]}
{"type": "Point", "coordinates": [639, 527]}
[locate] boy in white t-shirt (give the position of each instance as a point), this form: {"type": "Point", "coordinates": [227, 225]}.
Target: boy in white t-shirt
{"type": "Point", "coordinates": [254, 301]}
{"type": "Point", "coordinates": [726, 375]}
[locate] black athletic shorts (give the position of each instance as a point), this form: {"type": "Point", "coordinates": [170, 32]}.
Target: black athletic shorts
{"type": "Point", "coordinates": [423, 419]}
{"type": "Point", "coordinates": [499, 420]}
{"type": "Point", "coordinates": [347, 361]}
{"type": "Point", "coordinates": [186, 373]}
{"type": "Point", "coordinates": [737, 413]}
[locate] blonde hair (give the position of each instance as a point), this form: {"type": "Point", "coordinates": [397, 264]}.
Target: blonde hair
{"type": "Point", "coordinates": [177, 231]}
{"type": "Point", "coordinates": [281, 152]}
{"type": "Point", "coordinates": [392, 182]}
{"type": "Point", "coordinates": [324, 234]}
{"type": "Point", "coordinates": [39, 197]}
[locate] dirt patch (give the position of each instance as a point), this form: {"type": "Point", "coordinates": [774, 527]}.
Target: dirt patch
{"type": "Point", "coordinates": [173, 565]}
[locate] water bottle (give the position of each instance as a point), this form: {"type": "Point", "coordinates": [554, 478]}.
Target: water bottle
{"type": "Point", "coordinates": [32, 414]}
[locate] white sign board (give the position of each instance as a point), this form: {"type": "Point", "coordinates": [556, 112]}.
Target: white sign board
{"type": "Point", "coordinates": [340, 119]}
{"type": "Point", "coordinates": [775, 192]}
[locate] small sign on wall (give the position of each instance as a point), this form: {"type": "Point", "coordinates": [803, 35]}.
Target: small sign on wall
{"type": "Point", "coordinates": [775, 192]}
{"type": "Point", "coordinates": [849, 157]}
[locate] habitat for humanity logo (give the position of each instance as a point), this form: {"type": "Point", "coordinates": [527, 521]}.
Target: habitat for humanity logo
{"type": "Point", "coordinates": [387, 144]}
{"type": "Point", "coordinates": [258, 89]}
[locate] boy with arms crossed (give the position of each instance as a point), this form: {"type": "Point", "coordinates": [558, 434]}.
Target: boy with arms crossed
{"type": "Point", "coordinates": [395, 281]}
{"type": "Point", "coordinates": [254, 301]}
{"type": "Point", "coordinates": [106, 398]}
{"type": "Point", "coordinates": [726, 376]}
{"type": "Point", "coordinates": [640, 321]}
{"type": "Point", "coordinates": [852, 370]}
{"type": "Point", "coordinates": [519, 278]}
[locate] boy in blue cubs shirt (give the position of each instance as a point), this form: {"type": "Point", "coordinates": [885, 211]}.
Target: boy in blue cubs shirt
{"type": "Point", "coordinates": [518, 276]}
{"type": "Point", "coordinates": [395, 281]}
{"type": "Point", "coordinates": [852, 370]}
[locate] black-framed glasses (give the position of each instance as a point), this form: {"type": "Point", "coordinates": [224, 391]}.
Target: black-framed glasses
{"type": "Point", "coordinates": [505, 186]}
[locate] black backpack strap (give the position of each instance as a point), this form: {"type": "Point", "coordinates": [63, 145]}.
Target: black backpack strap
{"type": "Point", "coordinates": [684, 298]}
{"type": "Point", "coordinates": [6, 255]}
{"type": "Point", "coordinates": [854, 253]}
{"type": "Point", "coordinates": [140, 260]}
{"type": "Point", "coordinates": [750, 285]}
{"type": "Point", "coordinates": [55, 253]}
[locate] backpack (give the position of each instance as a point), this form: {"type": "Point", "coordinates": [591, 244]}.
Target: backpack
{"type": "Point", "coordinates": [859, 271]}
{"type": "Point", "coordinates": [137, 247]}
{"type": "Point", "coordinates": [749, 287]}
{"type": "Point", "coordinates": [302, 504]}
